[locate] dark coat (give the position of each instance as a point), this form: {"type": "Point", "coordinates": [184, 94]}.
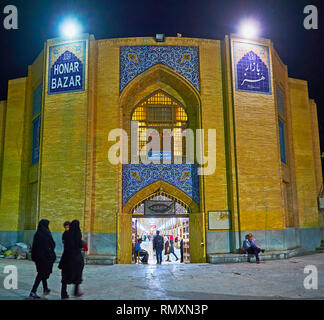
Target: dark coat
{"type": "Point", "coordinates": [166, 247]}
{"type": "Point", "coordinates": [181, 244]}
{"type": "Point", "coordinates": [171, 246]}
{"type": "Point", "coordinates": [43, 253]}
{"type": "Point", "coordinates": [158, 243]}
{"type": "Point", "coordinates": [72, 261]}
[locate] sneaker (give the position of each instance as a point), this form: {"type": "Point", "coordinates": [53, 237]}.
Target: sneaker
{"type": "Point", "coordinates": [258, 262]}
{"type": "Point", "coordinates": [46, 292]}
{"type": "Point", "coordinates": [34, 296]}
{"type": "Point", "coordinates": [65, 297]}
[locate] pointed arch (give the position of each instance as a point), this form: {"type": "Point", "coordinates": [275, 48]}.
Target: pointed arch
{"type": "Point", "coordinates": [160, 77]}
{"type": "Point", "coordinates": [160, 186]}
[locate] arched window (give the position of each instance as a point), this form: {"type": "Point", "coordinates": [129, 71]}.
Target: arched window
{"type": "Point", "coordinates": [161, 115]}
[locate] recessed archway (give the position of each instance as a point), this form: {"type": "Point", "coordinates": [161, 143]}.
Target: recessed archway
{"type": "Point", "coordinates": [160, 186]}
{"type": "Point", "coordinates": [159, 77]}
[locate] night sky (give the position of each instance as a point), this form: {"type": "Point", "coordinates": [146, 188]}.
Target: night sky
{"type": "Point", "coordinates": [281, 21]}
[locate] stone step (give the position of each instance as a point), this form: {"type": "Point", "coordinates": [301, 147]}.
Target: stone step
{"type": "Point", "coordinates": [100, 260]}
{"type": "Point", "coordinates": [235, 257]}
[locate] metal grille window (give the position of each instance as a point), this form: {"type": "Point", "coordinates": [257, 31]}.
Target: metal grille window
{"type": "Point", "coordinates": [161, 112]}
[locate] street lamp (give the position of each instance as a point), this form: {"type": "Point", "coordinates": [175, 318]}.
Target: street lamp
{"type": "Point", "coordinates": [70, 28]}
{"type": "Point", "coordinates": [249, 29]}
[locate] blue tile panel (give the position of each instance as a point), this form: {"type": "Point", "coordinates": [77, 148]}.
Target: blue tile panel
{"type": "Point", "coordinates": [136, 59]}
{"type": "Point", "coordinates": [252, 74]}
{"type": "Point", "coordinates": [252, 68]}
{"type": "Point", "coordinates": [183, 176]}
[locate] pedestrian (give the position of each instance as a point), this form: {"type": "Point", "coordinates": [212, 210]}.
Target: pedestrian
{"type": "Point", "coordinates": [181, 250]}
{"type": "Point", "coordinates": [66, 226]}
{"type": "Point", "coordinates": [72, 262]}
{"type": "Point", "coordinates": [44, 256]}
{"type": "Point", "coordinates": [252, 248]}
{"type": "Point", "coordinates": [158, 245]}
{"type": "Point", "coordinates": [141, 252]}
{"type": "Point", "coordinates": [167, 249]}
{"type": "Point", "coordinates": [172, 247]}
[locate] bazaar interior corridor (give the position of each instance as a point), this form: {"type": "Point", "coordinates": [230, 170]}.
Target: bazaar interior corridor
{"type": "Point", "coordinates": [178, 228]}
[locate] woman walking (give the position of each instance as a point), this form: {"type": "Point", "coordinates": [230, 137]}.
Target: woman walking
{"type": "Point", "coordinates": [72, 262]}
{"type": "Point", "coordinates": [172, 247]}
{"type": "Point", "coordinates": [44, 256]}
{"type": "Point", "coordinates": [167, 249]}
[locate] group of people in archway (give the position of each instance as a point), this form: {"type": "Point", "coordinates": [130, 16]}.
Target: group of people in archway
{"type": "Point", "coordinates": [159, 243]}
{"type": "Point", "coordinates": [71, 262]}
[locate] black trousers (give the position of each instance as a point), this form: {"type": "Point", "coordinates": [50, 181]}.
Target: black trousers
{"type": "Point", "coordinates": [64, 290]}
{"type": "Point", "coordinates": [255, 251]}
{"type": "Point", "coordinates": [39, 278]}
{"type": "Point", "coordinates": [181, 253]}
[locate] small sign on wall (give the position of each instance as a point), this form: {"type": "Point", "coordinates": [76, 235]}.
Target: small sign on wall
{"type": "Point", "coordinates": [153, 207]}
{"type": "Point", "coordinates": [66, 69]}
{"type": "Point", "coordinates": [321, 203]}
{"type": "Point", "coordinates": [219, 220]}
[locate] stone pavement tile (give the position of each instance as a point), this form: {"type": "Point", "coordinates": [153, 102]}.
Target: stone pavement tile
{"type": "Point", "coordinates": [277, 279]}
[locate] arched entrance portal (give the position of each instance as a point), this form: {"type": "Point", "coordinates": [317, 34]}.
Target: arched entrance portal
{"type": "Point", "coordinates": [160, 99]}
{"type": "Point", "coordinates": [163, 212]}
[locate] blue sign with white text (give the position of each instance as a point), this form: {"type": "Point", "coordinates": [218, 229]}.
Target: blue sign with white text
{"type": "Point", "coordinates": [252, 68]}
{"type": "Point", "coordinates": [159, 155]}
{"type": "Point", "coordinates": [66, 68]}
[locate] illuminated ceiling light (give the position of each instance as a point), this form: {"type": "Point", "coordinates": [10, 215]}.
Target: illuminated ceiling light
{"type": "Point", "coordinates": [70, 28]}
{"type": "Point", "coordinates": [249, 29]}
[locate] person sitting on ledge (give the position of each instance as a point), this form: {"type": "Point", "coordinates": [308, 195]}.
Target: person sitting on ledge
{"type": "Point", "coordinates": [142, 252]}
{"type": "Point", "coordinates": [252, 248]}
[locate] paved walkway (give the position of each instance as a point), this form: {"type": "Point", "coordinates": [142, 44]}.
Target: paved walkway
{"type": "Point", "coordinates": [148, 246]}
{"type": "Point", "coordinates": [280, 279]}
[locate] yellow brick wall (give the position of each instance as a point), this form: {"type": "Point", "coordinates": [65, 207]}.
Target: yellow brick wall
{"type": "Point", "coordinates": [63, 156]}
{"type": "Point", "coordinates": [107, 118]}
{"type": "Point", "coordinates": [258, 160]}
{"type": "Point", "coordinates": [230, 141]}
{"type": "Point", "coordinates": [12, 160]}
{"type": "Point", "coordinates": [29, 193]}
{"type": "Point", "coordinates": [303, 135]}
{"type": "Point", "coordinates": [3, 105]}
{"type": "Point", "coordinates": [280, 74]}
{"type": "Point", "coordinates": [215, 185]}
{"type": "Point", "coordinates": [316, 146]}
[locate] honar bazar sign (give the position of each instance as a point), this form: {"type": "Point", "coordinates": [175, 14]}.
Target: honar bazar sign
{"type": "Point", "coordinates": [66, 70]}
{"type": "Point", "coordinates": [252, 68]}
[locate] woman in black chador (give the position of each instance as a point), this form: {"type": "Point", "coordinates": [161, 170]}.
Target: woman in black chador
{"type": "Point", "coordinates": [72, 262]}
{"type": "Point", "coordinates": [43, 255]}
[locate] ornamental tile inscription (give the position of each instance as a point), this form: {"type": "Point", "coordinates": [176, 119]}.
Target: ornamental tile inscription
{"type": "Point", "coordinates": [136, 59]}
{"type": "Point", "coordinates": [252, 68]}
{"type": "Point", "coordinates": [183, 176]}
